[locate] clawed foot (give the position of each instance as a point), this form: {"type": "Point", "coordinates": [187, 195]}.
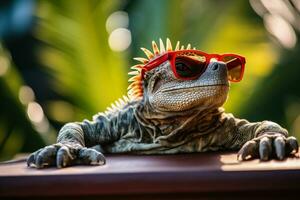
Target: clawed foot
{"type": "Point", "coordinates": [267, 146]}
{"type": "Point", "coordinates": [62, 155]}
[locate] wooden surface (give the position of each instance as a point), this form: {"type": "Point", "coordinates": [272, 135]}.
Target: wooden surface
{"type": "Point", "coordinates": [123, 175]}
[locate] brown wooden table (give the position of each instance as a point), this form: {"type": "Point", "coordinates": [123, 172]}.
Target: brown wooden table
{"type": "Point", "coordinates": [185, 176]}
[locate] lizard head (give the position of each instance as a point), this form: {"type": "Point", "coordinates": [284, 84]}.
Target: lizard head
{"type": "Point", "coordinates": [183, 79]}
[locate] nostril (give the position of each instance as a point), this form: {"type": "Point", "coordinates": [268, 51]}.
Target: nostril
{"type": "Point", "coordinates": [215, 67]}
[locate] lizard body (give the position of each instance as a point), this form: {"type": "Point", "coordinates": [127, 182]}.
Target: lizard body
{"type": "Point", "coordinates": [166, 115]}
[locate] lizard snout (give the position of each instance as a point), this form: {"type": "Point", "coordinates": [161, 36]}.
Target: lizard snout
{"type": "Point", "coordinates": [215, 74]}
{"type": "Point", "coordinates": [215, 66]}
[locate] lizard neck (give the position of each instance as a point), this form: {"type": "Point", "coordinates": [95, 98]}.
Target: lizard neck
{"type": "Point", "coordinates": [174, 126]}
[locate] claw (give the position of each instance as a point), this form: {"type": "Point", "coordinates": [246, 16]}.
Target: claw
{"type": "Point", "coordinates": [46, 156]}
{"type": "Point", "coordinates": [247, 151]}
{"type": "Point", "coordinates": [265, 148]}
{"type": "Point", "coordinates": [63, 157]}
{"type": "Point", "coordinates": [101, 159]}
{"type": "Point", "coordinates": [292, 145]}
{"type": "Point", "coordinates": [40, 161]}
{"type": "Point", "coordinates": [91, 157]}
{"type": "Point", "coordinates": [279, 144]}
{"type": "Point", "coordinates": [30, 160]}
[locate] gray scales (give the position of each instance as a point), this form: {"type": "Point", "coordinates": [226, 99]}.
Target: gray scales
{"type": "Point", "coordinates": [165, 115]}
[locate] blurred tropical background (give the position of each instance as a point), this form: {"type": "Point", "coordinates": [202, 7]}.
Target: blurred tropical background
{"type": "Point", "coordinates": [63, 61]}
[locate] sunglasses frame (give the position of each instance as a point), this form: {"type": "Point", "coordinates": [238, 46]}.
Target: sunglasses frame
{"type": "Point", "coordinates": [171, 56]}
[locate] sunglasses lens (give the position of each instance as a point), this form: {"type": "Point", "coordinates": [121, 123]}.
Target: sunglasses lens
{"type": "Point", "coordinates": [190, 65]}
{"type": "Point", "coordinates": [234, 68]}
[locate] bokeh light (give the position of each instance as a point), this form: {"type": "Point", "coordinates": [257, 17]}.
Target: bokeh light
{"type": "Point", "coordinates": [26, 94]}
{"type": "Point", "coordinates": [120, 39]}
{"type": "Point", "coordinates": [118, 19]}
{"type": "Point", "coordinates": [3, 65]}
{"type": "Point", "coordinates": [280, 19]}
{"type": "Point", "coordinates": [35, 112]}
{"type": "Point", "coordinates": [281, 29]}
{"type": "Point", "coordinates": [119, 34]}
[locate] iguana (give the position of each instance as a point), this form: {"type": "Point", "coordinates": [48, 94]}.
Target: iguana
{"type": "Point", "coordinates": [173, 106]}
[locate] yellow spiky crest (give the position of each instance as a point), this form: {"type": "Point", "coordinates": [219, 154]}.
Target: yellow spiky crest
{"type": "Point", "coordinates": [142, 60]}
{"type": "Point", "coordinates": [177, 46]}
{"type": "Point", "coordinates": [135, 89]}
{"type": "Point", "coordinates": [155, 48]}
{"type": "Point", "coordinates": [169, 45]}
{"type": "Point", "coordinates": [161, 46]}
{"type": "Point", "coordinates": [188, 46]}
{"type": "Point", "coordinates": [117, 105]}
{"type": "Point", "coordinates": [148, 53]}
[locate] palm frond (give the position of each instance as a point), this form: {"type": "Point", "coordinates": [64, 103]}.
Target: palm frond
{"type": "Point", "coordinates": [83, 67]}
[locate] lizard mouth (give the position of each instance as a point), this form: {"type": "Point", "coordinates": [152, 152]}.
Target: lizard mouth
{"type": "Point", "coordinates": [193, 87]}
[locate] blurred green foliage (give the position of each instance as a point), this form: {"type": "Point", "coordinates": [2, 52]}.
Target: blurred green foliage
{"type": "Point", "coordinates": [77, 55]}
{"type": "Point", "coordinates": [16, 132]}
{"type": "Point", "coordinates": [87, 75]}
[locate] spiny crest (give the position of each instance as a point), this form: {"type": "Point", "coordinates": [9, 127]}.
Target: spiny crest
{"type": "Point", "coordinates": [161, 46]}
{"type": "Point", "coordinates": [117, 105]}
{"type": "Point", "coordinates": [135, 89]}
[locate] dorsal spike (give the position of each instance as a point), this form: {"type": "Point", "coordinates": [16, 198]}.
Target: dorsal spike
{"type": "Point", "coordinates": [169, 45]}
{"type": "Point", "coordinates": [148, 53]}
{"type": "Point", "coordinates": [136, 92]}
{"type": "Point", "coordinates": [188, 46]}
{"type": "Point", "coordinates": [113, 106]}
{"type": "Point", "coordinates": [122, 102]}
{"type": "Point", "coordinates": [182, 47]}
{"type": "Point", "coordinates": [131, 98]}
{"type": "Point", "coordinates": [125, 98]}
{"type": "Point", "coordinates": [135, 78]}
{"type": "Point", "coordinates": [118, 105]}
{"type": "Point", "coordinates": [161, 46]}
{"type": "Point", "coordinates": [133, 85]}
{"type": "Point", "coordinates": [142, 60]}
{"type": "Point", "coordinates": [177, 46]}
{"type": "Point", "coordinates": [155, 48]}
{"type": "Point", "coordinates": [133, 73]}
{"type": "Point", "coordinates": [137, 67]}
{"type": "Point", "coordinates": [135, 95]}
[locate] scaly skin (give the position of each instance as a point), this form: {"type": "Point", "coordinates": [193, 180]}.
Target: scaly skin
{"type": "Point", "coordinates": [174, 116]}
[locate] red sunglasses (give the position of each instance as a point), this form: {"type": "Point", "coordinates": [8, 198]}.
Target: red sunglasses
{"type": "Point", "coordinates": [190, 64]}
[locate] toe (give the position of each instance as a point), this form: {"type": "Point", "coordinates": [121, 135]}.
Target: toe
{"type": "Point", "coordinates": [279, 145]}
{"type": "Point", "coordinates": [265, 148]}
{"type": "Point", "coordinates": [248, 150]}
{"type": "Point", "coordinates": [63, 157]}
{"type": "Point", "coordinates": [91, 157]}
{"type": "Point", "coordinates": [46, 157]}
{"type": "Point", "coordinates": [100, 159]}
{"type": "Point", "coordinates": [30, 160]}
{"type": "Point", "coordinates": [292, 146]}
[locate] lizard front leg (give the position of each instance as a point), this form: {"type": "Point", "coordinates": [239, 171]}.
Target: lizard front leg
{"type": "Point", "coordinates": [263, 140]}
{"type": "Point", "coordinates": [269, 145]}
{"type": "Point", "coordinates": [270, 140]}
{"type": "Point", "coordinates": [78, 143]}
{"type": "Point", "coordinates": [69, 150]}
